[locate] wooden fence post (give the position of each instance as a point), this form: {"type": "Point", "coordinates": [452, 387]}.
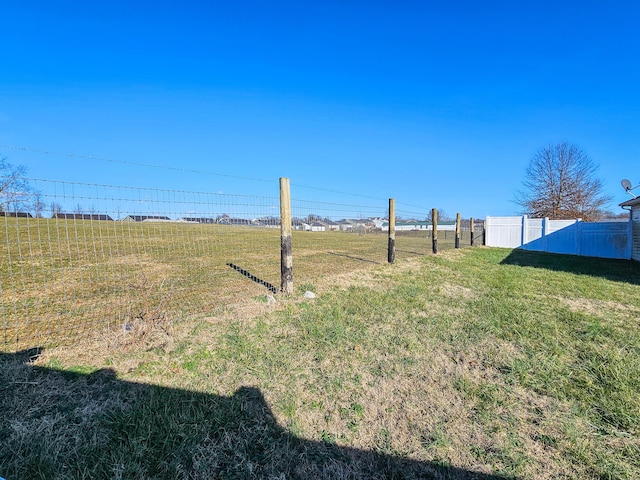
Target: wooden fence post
{"type": "Point", "coordinates": [434, 230]}
{"type": "Point", "coordinates": [457, 240]}
{"type": "Point", "coordinates": [286, 243]}
{"type": "Point", "coordinates": [391, 257]}
{"type": "Point", "coordinates": [484, 232]}
{"type": "Point", "coordinates": [472, 229]}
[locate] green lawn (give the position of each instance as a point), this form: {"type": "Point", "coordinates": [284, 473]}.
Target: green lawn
{"type": "Point", "coordinates": [475, 363]}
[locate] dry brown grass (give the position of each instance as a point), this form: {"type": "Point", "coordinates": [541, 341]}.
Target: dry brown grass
{"type": "Point", "coordinates": [390, 362]}
{"type": "Point", "coordinates": [65, 279]}
{"type": "Point", "coordinates": [595, 306]}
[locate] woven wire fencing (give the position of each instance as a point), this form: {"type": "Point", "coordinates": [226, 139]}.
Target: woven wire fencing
{"type": "Point", "coordinates": [447, 234]}
{"type": "Point", "coordinates": [81, 258]}
{"type": "Point", "coordinates": [85, 257]}
{"type": "Point", "coordinates": [333, 238]}
{"type": "Point", "coordinates": [414, 233]}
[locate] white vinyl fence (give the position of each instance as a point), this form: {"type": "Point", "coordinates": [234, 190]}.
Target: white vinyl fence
{"type": "Point", "coordinates": [573, 237]}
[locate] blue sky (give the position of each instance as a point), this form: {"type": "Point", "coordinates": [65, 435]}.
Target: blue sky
{"type": "Point", "coordinates": [436, 104]}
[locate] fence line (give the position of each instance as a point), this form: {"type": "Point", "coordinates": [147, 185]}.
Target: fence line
{"type": "Point", "coordinates": [81, 258]}
{"type": "Point", "coordinates": [574, 237]}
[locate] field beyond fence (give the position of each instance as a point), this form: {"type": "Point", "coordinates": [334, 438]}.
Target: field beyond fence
{"type": "Point", "coordinates": [85, 257]}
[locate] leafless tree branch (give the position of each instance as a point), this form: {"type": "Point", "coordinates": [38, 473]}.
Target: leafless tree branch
{"type": "Point", "coordinates": [560, 183]}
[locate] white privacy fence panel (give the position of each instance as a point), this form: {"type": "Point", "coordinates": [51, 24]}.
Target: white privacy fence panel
{"type": "Point", "coordinates": [612, 237]}
{"type": "Point", "coordinates": [534, 230]}
{"type": "Point", "coordinates": [560, 236]}
{"type": "Point", "coordinates": [574, 237]}
{"type": "Point", "coordinates": [503, 232]}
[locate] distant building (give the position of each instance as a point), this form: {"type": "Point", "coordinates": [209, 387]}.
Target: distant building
{"type": "Point", "coordinates": [379, 222]}
{"type": "Point", "coordinates": [235, 221]}
{"type": "Point", "coordinates": [345, 225]}
{"type": "Point", "coordinates": [146, 218]}
{"type": "Point", "coordinates": [269, 222]}
{"type": "Point", "coordinates": [297, 224]}
{"type": "Point", "coordinates": [81, 216]}
{"type": "Point", "coordinates": [331, 225]}
{"type": "Point", "coordinates": [318, 226]}
{"type": "Point", "coordinates": [198, 220]}
{"type": "Point", "coordinates": [16, 214]}
{"type": "Point", "coordinates": [416, 226]}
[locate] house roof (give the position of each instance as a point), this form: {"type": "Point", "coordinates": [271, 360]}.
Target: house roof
{"type": "Point", "coordinates": [16, 214]}
{"type": "Point", "coordinates": [634, 202]}
{"type": "Point", "coordinates": [82, 216]}
{"type": "Point", "coordinates": [268, 221]}
{"type": "Point", "coordinates": [141, 218]}
{"type": "Point", "coordinates": [235, 221]}
{"type": "Point", "coordinates": [198, 219]}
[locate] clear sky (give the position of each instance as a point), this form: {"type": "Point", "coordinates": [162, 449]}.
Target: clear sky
{"type": "Point", "coordinates": [435, 103]}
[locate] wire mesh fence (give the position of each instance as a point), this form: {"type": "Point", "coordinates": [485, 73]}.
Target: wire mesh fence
{"type": "Point", "coordinates": [331, 238]}
{"type": "Point", "coordinates": [80, 258]}
{"type": "Point", "coordinates": [97, 256]}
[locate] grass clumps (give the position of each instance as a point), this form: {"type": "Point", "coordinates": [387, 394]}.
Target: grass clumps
{"type": "Point", "coordinates": [480, 363]}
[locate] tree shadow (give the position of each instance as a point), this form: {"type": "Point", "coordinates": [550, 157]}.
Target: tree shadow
{"type": "Point", "coordinates": [626, 271]}
{"type": "Point", "coordinates": [73, 424]}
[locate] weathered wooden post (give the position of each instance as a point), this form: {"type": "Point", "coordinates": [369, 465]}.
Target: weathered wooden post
{"type": "Point", "coordinates": [434, 230]}
{"type": "Point", "coordinates": [472, 229]}
{"type": "Point", "coordinates": [484, 233]}
{"type": "Point", "coordinates": [286, 244]}
{"type": "Point", "coordinates": [457, 240]}
{"type": "Point", "coordinates": [391, 256]}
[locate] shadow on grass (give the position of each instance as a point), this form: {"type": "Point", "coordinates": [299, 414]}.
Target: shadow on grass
{"type": "Point", "coordinates": [354, 258]}
{"type": "Point", "coordinates": [73, 424]}
{"type": "Point", "coordinates": [410, 252]}
{"type": "Point", "coordinates": [626, 271]}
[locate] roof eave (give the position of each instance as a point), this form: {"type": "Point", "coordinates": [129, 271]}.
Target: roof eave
{"type": "Point", "coordinates": [630, 203]}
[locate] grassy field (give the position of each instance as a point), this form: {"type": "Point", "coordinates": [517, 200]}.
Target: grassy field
{"type": "Point", "coordinates": [475, 363]}
{"type": "Point", "coordinates": [63, 279]}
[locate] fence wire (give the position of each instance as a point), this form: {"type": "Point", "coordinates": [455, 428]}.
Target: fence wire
{"type": "Point", "coordinates": [81, 258]}
{"type": "Point", "coordinates": [333, 238]}
{"type": "Point", "coordinates": [86, 257]}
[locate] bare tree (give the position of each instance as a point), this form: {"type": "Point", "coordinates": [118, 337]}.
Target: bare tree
{"type": "Point", "coordinates": [442, 216]}
{"type": "Point", "coordinates": [609, 215]}
{"type": "Point", "coordinates": [55, 208]}
{"type": "Point", "coordinates": [560, 183]}
{"type": "Point", "coordinates": [38, 205]}
{"type": "Point", "coordinates": [15, 192]}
